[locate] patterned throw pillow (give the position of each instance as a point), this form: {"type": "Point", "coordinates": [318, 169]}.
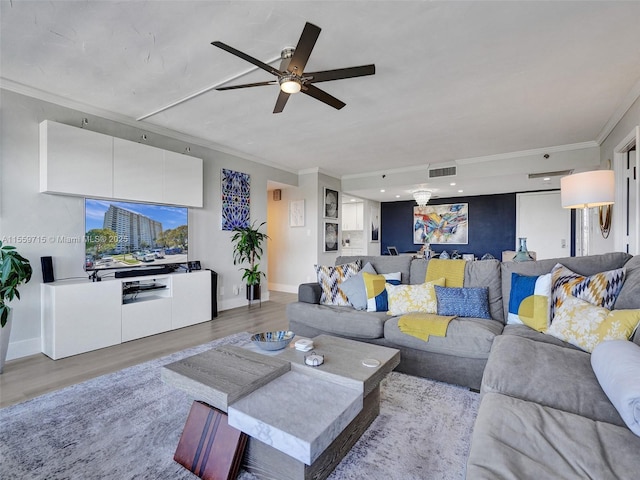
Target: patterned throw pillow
{"type": "Point", "coordinates": [530, 301]}
{"type": "Point", "coordinates": [585, 325]}
{"type": "Point", "coordinates": [463, 302]}
{"type": "Point", "coordinates": [376, 291]}
{"type": "Point", "coordinates": [330, 279]}
{"type": "Point", "coordinates": [600, 289]}
{"type": "Point", "coordinates": [413, 298]}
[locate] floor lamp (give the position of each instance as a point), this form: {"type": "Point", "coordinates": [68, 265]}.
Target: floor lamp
{"type": "Point", "coordinates": [587, 190]}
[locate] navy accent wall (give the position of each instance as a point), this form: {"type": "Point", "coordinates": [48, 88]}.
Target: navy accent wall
{"type": "Point", "coordinates": [492, 225]}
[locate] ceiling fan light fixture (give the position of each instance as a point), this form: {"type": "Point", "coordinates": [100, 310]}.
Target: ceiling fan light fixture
{"type": "Point", "coordinates": [422, 197]}
{"type": "Point", "coordinates": [290, 84]}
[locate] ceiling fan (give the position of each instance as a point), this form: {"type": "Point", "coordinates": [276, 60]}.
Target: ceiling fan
{"type": "Point", "coordinates": [291, 75]}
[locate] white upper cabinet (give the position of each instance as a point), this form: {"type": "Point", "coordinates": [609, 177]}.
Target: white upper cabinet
{"type": "Point", "coordinates": [183, 183]}
{"type": "Point", "coordinates": [352, 214]}
{"type": "Point", "coordinates": [138, 171]}
{"type": "Point", "coordinates": [75, 161]}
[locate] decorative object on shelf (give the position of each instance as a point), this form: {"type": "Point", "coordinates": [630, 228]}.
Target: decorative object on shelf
{"type": "Point", "coordinates": [487, 256]}
{"type": "Point", "coordinates": [604, 217]}
{"type": "Point", "coordinates": [236, 193]}
{"type": "Point", "coordinates": [522, 255]}
{"type": "Point", "coordinates": [247, 248]}
{"type": "Point", "coordinates": [330, 237]}
{"type": "Point", "coordinates": [441, 224]}
{"type": "Point", "coordinates": [314, 359]}
{"type": "Point", "coordinates": [455, 255]}
{"type": "Point", "coordinates": [331, 203]}
{"type": "Point", "coordinates": [273, 340]}
{"type": "Point", "coordinates": [15, 270]}
{"type": "Point", "coordinates": [422, 197]}
{"type": "Point", "coordinates": [587, 190]}
{"type": "Point", "coordinates": [444, 255]}
{"type": "Point", "coordinates": [296, 213]}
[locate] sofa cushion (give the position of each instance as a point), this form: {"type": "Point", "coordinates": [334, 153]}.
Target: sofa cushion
{"type": "Point", "coordinates": [519, 440]}
{"type": "Point", "coordinates": [343, 321]}
{"type": "Point", "coordinates": [463, 302]}
{"type": "Point", "coordinates": [600, 289]}
{"type": "Point", "coordinates": [374, 285]}
{"type": "Point", "coordinates": [582, 265]}
{"type": "Point", "coordinates": [629, 296]}
{"type": "Point", "coordinates": [527, 332]}
{"type": "Point", "coordinates": [466, 337]}
{"type": "Point", "coordinates": [530, 301]}
{"type": "Point", "coordinates": [486, 273]}
{"type": "Point", "coordinates": [355, 290]}
{"type": "Point", "coordinates": [330, 278]}
{"type": "Point", "coordinates": [384, 264]}
{"type": "Point", "coordinates": [413, 298]}
{"type": "Point", "coordinates": [617, 368]}
{"type": "Point", "coordinates": [585, 325]}
{"type": "Point", "coordinates": [548, 374]}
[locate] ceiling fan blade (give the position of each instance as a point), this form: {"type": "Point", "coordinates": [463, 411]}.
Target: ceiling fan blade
{"type": "Point", "coordinates": [306, 43]}
{"type": "Point", "coordinates": [323, 96]}
{"type": "Point", "coordinates": [340, 73]}
{"type": "Point", "coordinates": [248, 58]}
{"type": "Point", "coordinates": [281, 102]}
{"type": "Point", "coordinates": [247, 85]}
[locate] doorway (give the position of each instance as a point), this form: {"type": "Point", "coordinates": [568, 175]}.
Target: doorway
{"type": "Point", "coordinates": [627, 207]}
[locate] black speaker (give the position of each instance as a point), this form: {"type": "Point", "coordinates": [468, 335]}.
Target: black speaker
{"type": "Point", "coordinates": [47, 269]}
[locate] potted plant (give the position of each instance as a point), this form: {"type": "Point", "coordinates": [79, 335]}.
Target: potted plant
{"type": "Point", "coordinates": [14, 271]}
{"type": "Point", "coordinates": [247, 248]}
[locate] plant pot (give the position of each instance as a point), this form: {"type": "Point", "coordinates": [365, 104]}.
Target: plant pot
{"type": "Point", "coordinates": [5, 332]}
{"type": "Point", "coordinates": [253, 292]}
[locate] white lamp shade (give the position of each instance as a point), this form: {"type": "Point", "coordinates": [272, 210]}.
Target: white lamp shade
{"type": "Point", "coordinates": [588, 189]}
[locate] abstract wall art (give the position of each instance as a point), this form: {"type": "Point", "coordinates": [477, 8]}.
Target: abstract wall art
{"type": "Point", "coordinates": [437, 224]}
{"type": "Point", "coordinates": [236, 199]}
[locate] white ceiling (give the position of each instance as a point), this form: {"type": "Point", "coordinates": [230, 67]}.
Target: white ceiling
{"type": "Point", "coordinates": [454, 80]}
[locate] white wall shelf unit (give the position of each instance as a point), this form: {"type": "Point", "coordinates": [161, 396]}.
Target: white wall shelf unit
{"type": "Point", "coordinates": [81, 316]}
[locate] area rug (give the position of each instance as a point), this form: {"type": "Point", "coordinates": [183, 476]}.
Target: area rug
{"type": "Point", "coordinates": [126, 425]}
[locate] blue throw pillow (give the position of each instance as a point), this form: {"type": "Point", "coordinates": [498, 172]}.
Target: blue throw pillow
{"type": "Point", "coordinates": [463, 302]}
{"type": "Point", "coordinates": [530, 301]}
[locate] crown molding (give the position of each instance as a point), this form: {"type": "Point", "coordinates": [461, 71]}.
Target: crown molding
{"type": "Point", "coordinates": [619, 112]}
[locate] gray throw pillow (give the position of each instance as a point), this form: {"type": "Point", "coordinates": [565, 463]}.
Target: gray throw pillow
{"type": "Point", "coordinates": [354, 288]}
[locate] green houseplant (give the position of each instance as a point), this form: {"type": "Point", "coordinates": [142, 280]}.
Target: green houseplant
{"type": "Point", "coordinates": [14, 271]}
{"type": "Point", "coordinates": [248, 248]}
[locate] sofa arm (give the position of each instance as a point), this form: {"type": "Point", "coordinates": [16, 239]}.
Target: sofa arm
{"type": "Point", "coordinates": [309, 292]}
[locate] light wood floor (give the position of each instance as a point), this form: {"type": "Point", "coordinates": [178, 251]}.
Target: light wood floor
{"type": "Point", "coordinates": [29, 377]}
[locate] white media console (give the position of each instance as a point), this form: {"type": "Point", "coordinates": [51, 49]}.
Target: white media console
{"type": "Point", "coordinates": [79, 316]}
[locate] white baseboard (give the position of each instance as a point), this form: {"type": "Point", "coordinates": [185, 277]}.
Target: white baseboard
{"type": "Point", "coordinates": [238, 301]}
{"type": "Point", "coordinates": [281, 287]}
{"type": "Point", "coordinates": [23, 348]}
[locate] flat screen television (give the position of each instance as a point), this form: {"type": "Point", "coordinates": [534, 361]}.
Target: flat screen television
{"type": "Point", "coordinates": [129, 235]}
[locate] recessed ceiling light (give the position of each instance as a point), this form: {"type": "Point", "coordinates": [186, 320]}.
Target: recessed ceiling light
{"type": "Point", "coordinates": [546, 179]}
{"type": "Point", "coordinates": [353, 199]}
{"type": "Point", "coordinates": [382, 190]}
{"type": "Point", "coordinates": [453, 184]}
{"type": "Point", "coordinates": [397, 196]}
{"type": "Point", "coordinates": [460, 191]}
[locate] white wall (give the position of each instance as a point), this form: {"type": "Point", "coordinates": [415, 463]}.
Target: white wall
{"type": "Point", "coordinates": [25, 211]}
{"type": "Point", "coordinates": [629, 121]}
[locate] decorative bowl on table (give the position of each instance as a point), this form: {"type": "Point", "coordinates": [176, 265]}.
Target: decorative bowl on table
{"type": "Point", "coordinates": [273, 340]}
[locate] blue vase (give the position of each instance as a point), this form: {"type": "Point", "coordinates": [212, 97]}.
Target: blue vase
{"type": "Point", "coordinates": [522, 255]}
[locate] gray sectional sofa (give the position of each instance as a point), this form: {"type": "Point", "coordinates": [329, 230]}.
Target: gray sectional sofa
{"type": "Point", "coordinates": [543, 413]}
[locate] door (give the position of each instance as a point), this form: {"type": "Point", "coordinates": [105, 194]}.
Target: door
{"type": "Point", "coordinates": [541, 219]}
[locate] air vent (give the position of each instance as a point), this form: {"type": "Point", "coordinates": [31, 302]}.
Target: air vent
{"type": "Point", "coordinates": [442, 172]}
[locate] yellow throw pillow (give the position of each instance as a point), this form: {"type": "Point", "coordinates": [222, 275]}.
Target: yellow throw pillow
{"type": "Point", "coordinates": [585, 325]}
{"type": "Point", "coordinates": [451, 270]}
{"type": "Point", "coordinates": [413, 298]}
